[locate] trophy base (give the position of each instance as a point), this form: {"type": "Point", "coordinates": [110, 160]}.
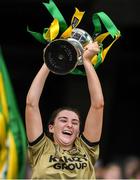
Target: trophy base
{"type": "Point", "coordinates": [60, 57]}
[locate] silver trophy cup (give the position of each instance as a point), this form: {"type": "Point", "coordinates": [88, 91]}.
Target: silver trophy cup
{"type": "Point", "coordinates": [63, 55]}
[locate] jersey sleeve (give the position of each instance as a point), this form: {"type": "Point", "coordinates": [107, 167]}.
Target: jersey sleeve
{"type": "Point", "coordinates": [91, 148]}
{"type": "Point", "coordinates": [36, 148]}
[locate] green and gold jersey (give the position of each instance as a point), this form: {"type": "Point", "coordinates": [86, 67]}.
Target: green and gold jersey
{"type": "Point", "coordinates": [49, 161]}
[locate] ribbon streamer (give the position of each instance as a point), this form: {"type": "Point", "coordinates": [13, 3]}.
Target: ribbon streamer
{"type": "Point", "coordinates": [56, 14]}
{"type": "Point", "coordinates": [74, 23]}
{"type": "Point", "coordinates": [53, 31]}
{"type": "Point", "coordinates": [37, 36]}
{"type": "Point", "coordinates": [108, 23]}
{"type": "Point", "coordinates": [111, 30]}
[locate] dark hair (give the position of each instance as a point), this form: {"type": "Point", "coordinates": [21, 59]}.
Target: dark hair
{"type": "Point", "coordinates": [55, 113]}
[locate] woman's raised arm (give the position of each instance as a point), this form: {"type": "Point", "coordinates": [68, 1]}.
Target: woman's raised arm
{"type": "Point", "coordinates": [34, 127]}
{"type": "Point", "coordinates": [94, 120]}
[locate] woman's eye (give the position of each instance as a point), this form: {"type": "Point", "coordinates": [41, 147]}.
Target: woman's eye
{"type": "Point", "coordinates": [75, 123]}
{"type": "Point", "coordinates": [63, 120]}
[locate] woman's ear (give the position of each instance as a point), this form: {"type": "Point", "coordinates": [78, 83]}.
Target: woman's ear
{"type": "Point", "coordinates": [50, 127]}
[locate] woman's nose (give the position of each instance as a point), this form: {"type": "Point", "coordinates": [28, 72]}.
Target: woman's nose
{"type": "Point", "coordinates": [69, 124]}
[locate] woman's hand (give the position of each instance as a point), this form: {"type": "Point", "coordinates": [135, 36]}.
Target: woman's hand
{"type": "Point", "coordinates": [90, 50]}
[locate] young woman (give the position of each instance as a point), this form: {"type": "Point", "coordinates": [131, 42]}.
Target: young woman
{"type": "Point", "coordinates": [68, 156]}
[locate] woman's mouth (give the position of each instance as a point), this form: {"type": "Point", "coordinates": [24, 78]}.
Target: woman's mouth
{"type": "Point", "coordinates": [67, 132]}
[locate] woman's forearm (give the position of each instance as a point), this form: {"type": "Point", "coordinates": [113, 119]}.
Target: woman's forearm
{"type": "Point", "coordinates": [37, 85]}
{"type": "Point", "coordinates": [94, 86]}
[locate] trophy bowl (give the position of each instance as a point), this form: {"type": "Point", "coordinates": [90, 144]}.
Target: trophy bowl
{"type": "Point", "coordinates": [63, 55]}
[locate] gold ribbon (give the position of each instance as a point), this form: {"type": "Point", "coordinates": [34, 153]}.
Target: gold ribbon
{"type": "Point", "coordinates": [74, 23]}
{"type": "Point", "coordinates": [52, 31]}
{"type": "Point", "coordinates": [3, 100]}
{"type": "Point", "coordinates": [100, 39]}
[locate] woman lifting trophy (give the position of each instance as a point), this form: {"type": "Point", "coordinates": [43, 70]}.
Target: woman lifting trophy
{"type": "Point", "coordinates": [67, 153]}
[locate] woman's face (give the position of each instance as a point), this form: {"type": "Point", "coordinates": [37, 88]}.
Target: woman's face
{"type": "Point", "coordinates": [65, 129]}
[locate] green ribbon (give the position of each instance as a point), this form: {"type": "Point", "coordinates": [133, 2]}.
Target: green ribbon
{"type": "Point", "coordinates": [37, 36]}
{"type": "Point", "coordinates": [108, 23]}
{"type": "Point", "coordinates": [56, 14]}
{"type": "Point", "coordinates": [77, 71]}
{"type": "Point", "coordinates": [99, 60]}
